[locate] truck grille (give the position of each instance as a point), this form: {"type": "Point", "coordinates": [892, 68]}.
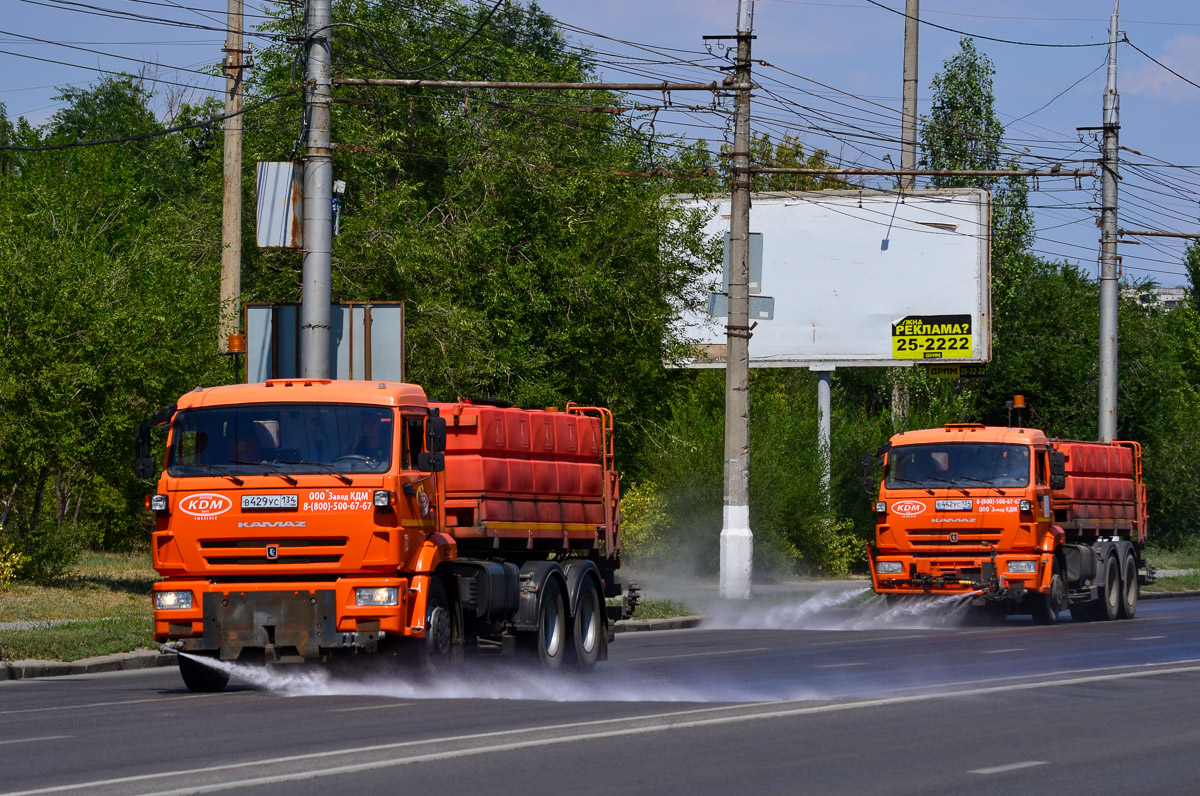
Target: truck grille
{"type": "Point", "coordinates": [253, 552]}
{"type": "Point", "coordinates": [975, 538]}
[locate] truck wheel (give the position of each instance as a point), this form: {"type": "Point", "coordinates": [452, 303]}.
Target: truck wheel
{"type": "Point", "coordinates": [586, 628]}
{"type": "Point", "coordinates": [1130, 589]}
{"type": "Point", "coordinates": [549, 641]}
{"type": "Point", "coordinates": [439, 628]}
{"type": "Point", "coordinates": [1047, 607]}
{"type": "Point", "coordinates": [1109, 606]}
{"type": "Point", "coordinates": [200, 677]}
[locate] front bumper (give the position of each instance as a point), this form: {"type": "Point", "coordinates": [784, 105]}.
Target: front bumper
{"type": "Point", "coordinates": [284, 620]}
{"type": "Point", "coordinates": [988, 577]}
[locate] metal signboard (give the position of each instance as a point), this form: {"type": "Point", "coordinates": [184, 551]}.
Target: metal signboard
{"type": "Point", "coordinates": [865, 278]}
{"type": "Point", "coordinates": [280, 210]}
{"type": "Point", "coordinates": [366, 341]}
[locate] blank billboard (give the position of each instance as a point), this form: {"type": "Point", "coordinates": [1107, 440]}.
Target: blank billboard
{"type": "Point", "coordinates": [366, 341]}
{"type": "Point", "coordinates": [863, 278]}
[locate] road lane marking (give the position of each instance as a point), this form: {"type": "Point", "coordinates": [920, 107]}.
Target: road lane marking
{"type": "Point", "coordinates": [873, 640]}
{"type": "Point", "coordinates": [511, 740]}
{"type": "Point", "coordinates": [35, 740]}
{"type": "Point", "coordinates": [109, 704]}
{"type": "Point", "coordinates": [371, 707]}
{"type": "Point", "coordinates": [838, 665]}
{"type": "Point", "coordinates": [1146, 638]}
{"type": "Point", "coordinates": [1010, 767]}
{"type": "Point", "coordinates": [697, 654]}
{"type": "Point", "coordinates": [997, 652]}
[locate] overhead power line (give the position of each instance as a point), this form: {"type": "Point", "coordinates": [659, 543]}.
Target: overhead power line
{"type": "Point", "coordinates": [990, 38]}
{"type": "Point", "coordinates": [152, 134]}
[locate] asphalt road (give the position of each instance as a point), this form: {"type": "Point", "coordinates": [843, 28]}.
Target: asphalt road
{"type": "Point", "coordinates": [830, 695]}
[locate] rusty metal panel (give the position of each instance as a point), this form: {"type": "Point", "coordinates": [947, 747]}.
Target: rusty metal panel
{"type": "Point", "coordinates": [305, 621]}
{"type": "Point", "coordinates": [280, 206]}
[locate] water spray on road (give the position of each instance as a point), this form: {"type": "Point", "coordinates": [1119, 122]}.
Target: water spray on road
{"type": "Point", "coordinates": [842, 609]}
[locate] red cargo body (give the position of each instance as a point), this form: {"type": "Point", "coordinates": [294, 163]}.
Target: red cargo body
{"type": "Point", "coordinates": [525, 478]}
{"type": "Point", "coordinates": [1104, 494]}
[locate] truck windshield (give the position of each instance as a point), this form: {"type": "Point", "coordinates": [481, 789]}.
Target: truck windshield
{"type": "Point", "coordinates": [962, 464]}
{"type": "Point", "coordinates": [253, 439]}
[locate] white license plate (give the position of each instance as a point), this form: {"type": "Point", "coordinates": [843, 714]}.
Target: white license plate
{"type": "Point", "coordinates": [953, 505]}
{"type": "Point", "coordinates": [270, 502]}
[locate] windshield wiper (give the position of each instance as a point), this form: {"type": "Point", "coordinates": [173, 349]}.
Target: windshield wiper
{"type": "Point", "coordinates": [983, 481]}
{"type": "Point", "coordinates": [213, 469]}
{"type": "Point", "coordinates": [917, 484]}
{"type": "Point", "coordinates": [269, 467]}
{"type": "Point", "coordinates": [324, 468]}
{"type": "Point", "coordinates": [950, 484]}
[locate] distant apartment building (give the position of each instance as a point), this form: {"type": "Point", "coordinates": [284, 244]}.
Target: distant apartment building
{"type": "Point", "coordinates": [1164, 298]}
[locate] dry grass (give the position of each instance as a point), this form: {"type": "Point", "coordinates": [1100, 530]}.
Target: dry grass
{"type": "Point", "coordinates": [103, 602]}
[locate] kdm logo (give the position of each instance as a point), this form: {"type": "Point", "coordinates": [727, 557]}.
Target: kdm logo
{"type": "Point", "coordinates": [908, 508]}
{"type": "Point", "coordinates": [205, 504]}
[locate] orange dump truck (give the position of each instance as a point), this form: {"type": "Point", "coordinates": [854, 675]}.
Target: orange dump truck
{"type": "Point", "coordinates": [302, 519]}
{"type": "Point", "coordinates": [1026, 523]}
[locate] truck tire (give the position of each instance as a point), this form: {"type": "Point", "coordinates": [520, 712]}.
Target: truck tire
{"type": "Point", "coordinates": [439, 628]}
{"type": "Point", "coordinates": [1108, 607]}
{"type": "Point", "coordinates": [549, 642]}
{"type": "Point", "coordinates": [1130, 590]}
{"type": "Point", "coordinates": [201, 678]}
{"type": "Point", "coordinates": [587, 628]}
{"type": "Point", "coordinates": [1047, 607]}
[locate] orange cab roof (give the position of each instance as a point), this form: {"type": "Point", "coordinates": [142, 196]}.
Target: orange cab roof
{"type": "Point", "coordinates": [970, 432]}
{"type": "Point", "coordinates": [334, 391]}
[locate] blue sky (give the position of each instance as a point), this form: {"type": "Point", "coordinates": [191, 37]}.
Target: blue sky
{"type": "Point", "coordinates": [852, 47]}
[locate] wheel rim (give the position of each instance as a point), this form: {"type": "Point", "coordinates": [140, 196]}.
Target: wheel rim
{"type": "Point", "coordinates": [1112, 590]}
{"type": "Point", "coordinates": [588, 633]}
{"type": "Point", "coordinates": [439, 630]}
{"type": "Point", "coordinates": [1131, 585]}
{"type": "Point", "coordinates": [552, 628]}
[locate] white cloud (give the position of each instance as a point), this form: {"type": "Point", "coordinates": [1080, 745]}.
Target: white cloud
{"type": "Point", "coordinates": [1147, 79]}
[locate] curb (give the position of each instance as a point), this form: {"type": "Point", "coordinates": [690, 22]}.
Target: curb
{"type": "Point", "coordinates": [639, 625]}
{"type": "Point", "coordinates": [117, 662]}
{"type": "Point", "coordinates": [1163, 595]}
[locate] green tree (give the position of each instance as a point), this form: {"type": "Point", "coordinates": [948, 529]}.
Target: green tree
{"type": "Point", "coordinates": [532, 266]}
{"type": "Point", "coordinates": [105, 287]}
{"type": "Point", "coordinates": [964, 132]}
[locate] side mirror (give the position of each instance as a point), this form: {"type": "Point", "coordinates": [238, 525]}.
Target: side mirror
{"type": "Point", "coordinates": [1058, 470]}
{"type": "Point", "coordinates": [867, 464]}
{"type": "Point", "coordinates": [435, 434]}
{"type": "Point", "coordinates": [433, 459]}
{"type": "Point", "coordinates": [144, 466]}
{"type": "Point", "coordinates": [868, 484]}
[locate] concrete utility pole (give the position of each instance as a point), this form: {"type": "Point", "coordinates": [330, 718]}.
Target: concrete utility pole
{"type": "Point", "coordinates": [231, 211]}
{"type": "Point", "coordinates": [318, 194]}
{"type": "Point", "coordinates": [908, 160]}
{"type": "Point", "coordinates": [737, 543]}
{"type": "Point", "coordinates": [1108, 244]}
{"type": "Point", "coordinates": [908, 111]}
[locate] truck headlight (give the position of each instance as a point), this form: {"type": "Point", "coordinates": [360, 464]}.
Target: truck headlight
{"type": "Point", "coordinates": [157, 503]}
{"type": "Point", "coordinates": [382, 595]}
{"type": "Point", "coordinates": [382, 498]}
{"type": "Point", "coordinates": [1025, 505]}
{"type": "Point", "coordinates": [169, 600]}
{"type": "Point", "coordinates": [880, 507]}
{"type": "Point", "coordinates": [1026, 567]}
{"type": "Point", "coordinates": [889, 567]}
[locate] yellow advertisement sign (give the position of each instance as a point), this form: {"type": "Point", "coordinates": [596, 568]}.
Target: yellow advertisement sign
{"type": "Point", "coordinates": [932, 337]}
